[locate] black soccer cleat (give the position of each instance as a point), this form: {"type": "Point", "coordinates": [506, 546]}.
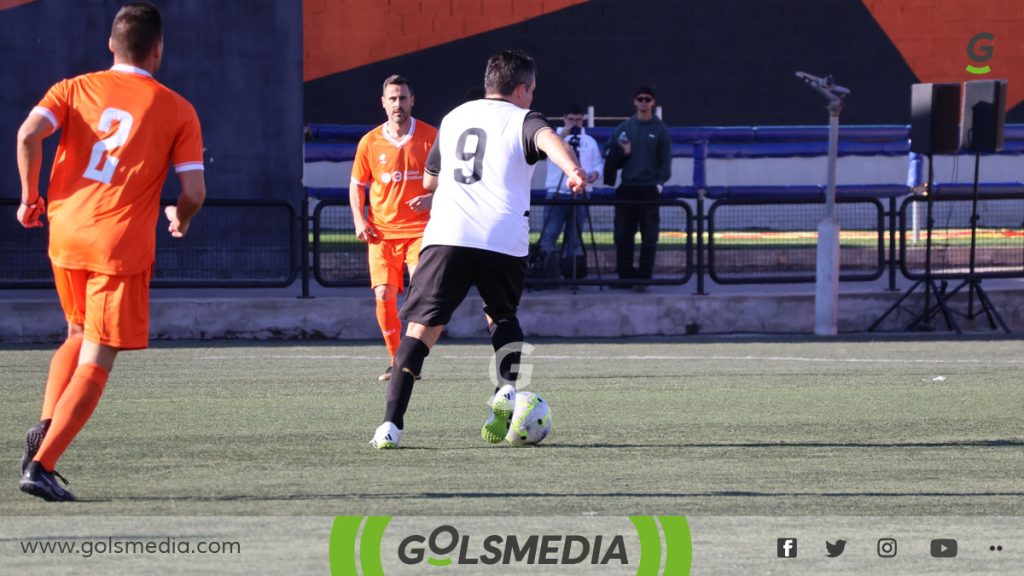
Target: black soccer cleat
{"type": "Point", "coordinates": [41, 483]}
{"type": "Point", "coordinates": [33, 440]}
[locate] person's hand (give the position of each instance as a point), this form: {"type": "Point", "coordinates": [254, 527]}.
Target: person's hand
{"type": "Point", "coordinates": [365, 232]}
{"type": "Point", "coordinates": [577, 180]}
{"type": "Point", "coordinates": [592, 177]}
{"type": "Point", "coordinates": [627, 147]}
{"type": "Point", "coordinates": [177, 228]}
{"type": "Point", "coordinates": [29, 214]}
{"type": "Point", "coordinates": [421, 203]}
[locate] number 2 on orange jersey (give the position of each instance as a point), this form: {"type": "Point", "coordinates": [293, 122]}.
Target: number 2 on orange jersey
{"type": "Point", "coordinates": [105, 171]}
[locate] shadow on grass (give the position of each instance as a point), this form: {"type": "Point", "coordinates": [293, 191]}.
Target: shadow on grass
{"type": "Point", "coordinates": [506, 494]}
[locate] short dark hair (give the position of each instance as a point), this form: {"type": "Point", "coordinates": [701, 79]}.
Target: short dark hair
{"type": "Point", "coordinates": [508, 69]}
{"type": "Point", "coordinates": [137, 29]}
{"type": "Point", "coordinates": [397, 80]}
{"type": "Point", "coordinates": [644, 90]}
{"type": "Point", "coordinates": [573, 109]}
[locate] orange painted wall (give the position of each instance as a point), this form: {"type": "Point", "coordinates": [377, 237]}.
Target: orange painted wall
{"type": "Point", "coordinates": [5, 4]}
{"type": "Point", "coordinates": [932, 36]}
{"type": "Point", "coordinates": [345, 34]}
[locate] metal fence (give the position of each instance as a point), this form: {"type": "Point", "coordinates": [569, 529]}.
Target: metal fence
{"type": "Point", "coordinates": [339, 259]}
{"type": "Point", "coordinates": [774, 240]}
{"type": "Point", "coordinates": [731, 239]}
{"type": "Point", "coordinates": [673, 263]}
{"type": "Point", "coordinates": [999, 251]}
{"type": "Point", "coordinates": [233, 243]}
{"type": "Point", "coordinates": [744, 238]}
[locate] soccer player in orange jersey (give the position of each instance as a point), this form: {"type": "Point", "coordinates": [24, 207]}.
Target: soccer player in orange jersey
{"type": "Point", "coordinates": [120, 131]}
{"type": "Point", "coordinates": [390, 160]}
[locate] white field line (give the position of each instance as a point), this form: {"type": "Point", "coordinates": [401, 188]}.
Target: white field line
{"type": "Point", "coordinates": [911, 361]}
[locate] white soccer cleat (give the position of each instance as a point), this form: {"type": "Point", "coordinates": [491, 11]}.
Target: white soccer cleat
{"type": "Point", "coordinates": [502, 404]}
{"type": "Point", "coordinates": [386, 437]}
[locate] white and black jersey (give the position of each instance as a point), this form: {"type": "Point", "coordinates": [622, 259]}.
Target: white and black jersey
{"type": "Point", "coordinates": [484, 158]}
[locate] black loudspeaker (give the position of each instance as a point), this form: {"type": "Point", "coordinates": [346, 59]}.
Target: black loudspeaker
{"type": "Point", "coordinates": [935, 118]}
{"type": "Point", "coordinates": [984, 115]}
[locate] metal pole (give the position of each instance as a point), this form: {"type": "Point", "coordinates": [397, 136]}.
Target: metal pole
{"type": "Point", "coordinates": [304, 243]}
{"type": "Point", "coordinates": [826, 290]}
{"type": "Point", "coordinates": [826, 296]}
{"type": "Point", "coordinates": [700, 182]}
{"type": "Point", "coordinates": [915, 183]}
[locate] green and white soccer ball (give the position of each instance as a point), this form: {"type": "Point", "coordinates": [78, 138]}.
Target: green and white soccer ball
{"type": "Point", "coordinates": [531, 420]}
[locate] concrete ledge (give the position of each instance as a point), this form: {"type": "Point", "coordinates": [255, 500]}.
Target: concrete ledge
{"type": "Point", "coordinates": [28, 317]}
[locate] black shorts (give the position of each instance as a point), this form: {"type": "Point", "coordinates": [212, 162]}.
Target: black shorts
{"type": "Point", "coordinates": [445, 275]}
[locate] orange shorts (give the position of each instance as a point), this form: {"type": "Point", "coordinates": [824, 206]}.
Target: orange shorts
{"type": "Point", "coordinates": [387, 257]}
{"type": "Point", "coordinates": [113, 309]}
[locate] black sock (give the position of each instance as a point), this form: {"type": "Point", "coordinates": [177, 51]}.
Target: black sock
{"type": "Point", "coordinates": [507, 332]}
{"type": "Point", "coordinates": [408, 363]}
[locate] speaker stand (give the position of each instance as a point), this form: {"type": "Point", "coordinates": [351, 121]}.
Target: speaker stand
{"type": "Point", "coordinates": [973, 280]}
{"type": "Point", "coordinates": [927, 281]}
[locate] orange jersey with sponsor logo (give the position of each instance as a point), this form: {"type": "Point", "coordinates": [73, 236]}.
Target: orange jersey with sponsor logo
{"type": "Point", "coordinates": [394, 171]}
{"type": "Point", "coordinates": [121, 131]}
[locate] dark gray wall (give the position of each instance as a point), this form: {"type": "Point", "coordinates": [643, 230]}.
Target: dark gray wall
{"type": "Point", "coordinates": [238, 62]}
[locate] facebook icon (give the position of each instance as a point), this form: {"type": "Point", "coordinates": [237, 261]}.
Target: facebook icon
{"type": "Point", "coordinates": [786, 547]}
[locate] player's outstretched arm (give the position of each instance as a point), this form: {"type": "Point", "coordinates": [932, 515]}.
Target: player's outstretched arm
{"type": "Point", "coordinates": [563, 157]}
{"type": "Point", "coordinates": [193, 193]}
{"type": "Point", "coordinates": [30, 157]}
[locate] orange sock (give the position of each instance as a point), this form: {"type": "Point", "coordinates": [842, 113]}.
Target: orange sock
{"type": "Point", "coordinates": [62, 366]}
{"type": "Point", "coordinates": [72, 412]}
{"type": "Point", "coordinates": [390, 325]}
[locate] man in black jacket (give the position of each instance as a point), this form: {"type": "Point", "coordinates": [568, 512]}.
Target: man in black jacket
{"type": "Point", "coordinates": [642, 148]}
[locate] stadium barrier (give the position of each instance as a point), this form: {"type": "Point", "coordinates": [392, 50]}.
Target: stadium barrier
{"type": "Point", "coordinates": [765, 234]}
{"type": "Point", "coordinates": [234, 244]}
{"type": "Point", "coordinates": [1000, 234]}
{"type": "Point", "coordinates": [751, 235]}
{"type": "Point", "coordinates": [339, 259]}
{"type": "Point", "coordinates": [730, 234]}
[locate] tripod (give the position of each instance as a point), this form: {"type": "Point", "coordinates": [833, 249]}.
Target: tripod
{"type": "Point", "coordinates": [574, 143]}
{"type": "Point", "coordinates": [927, 280]}
{"type": "Point", "coordinates": [973, 281]}
{"type": "Point", "coordinates": [572, 228]}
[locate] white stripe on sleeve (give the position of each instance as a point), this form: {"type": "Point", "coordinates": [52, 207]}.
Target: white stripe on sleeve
{"type": "Point", "coordinates": [188, 166]}
{"type": "Point", "coordinates": [45, 112]}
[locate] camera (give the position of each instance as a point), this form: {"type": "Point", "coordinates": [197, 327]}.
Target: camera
{"type": "Point", "coordinates": [574, 137]}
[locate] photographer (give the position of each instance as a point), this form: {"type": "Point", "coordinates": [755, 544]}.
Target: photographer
{"type": "Point", "coordinates": [565, 217]}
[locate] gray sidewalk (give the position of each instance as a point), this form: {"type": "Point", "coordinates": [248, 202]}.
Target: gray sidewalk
{"type": "Point", "coordinates": [28, 316]}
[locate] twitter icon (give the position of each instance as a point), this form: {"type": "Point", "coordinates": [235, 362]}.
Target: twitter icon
{"type": "Point", "coordinates": [835, 550]}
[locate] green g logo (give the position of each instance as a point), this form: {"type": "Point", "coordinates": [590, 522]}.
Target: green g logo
{"type": "Point", "coordinates": [980, 54]}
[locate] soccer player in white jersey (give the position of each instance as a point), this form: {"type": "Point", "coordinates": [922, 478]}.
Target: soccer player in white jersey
{"type": "Point", "coordinates": [480, 168]}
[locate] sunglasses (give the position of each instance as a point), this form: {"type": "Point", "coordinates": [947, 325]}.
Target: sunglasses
{"type": "Point", "coordinates": [644, 99]}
